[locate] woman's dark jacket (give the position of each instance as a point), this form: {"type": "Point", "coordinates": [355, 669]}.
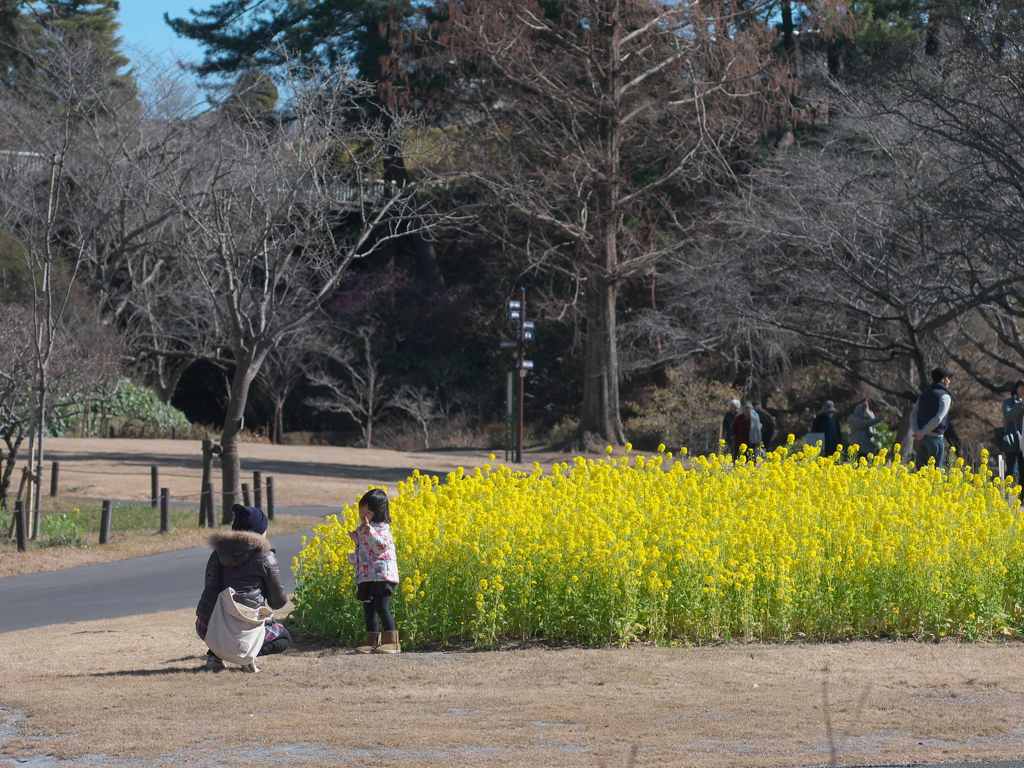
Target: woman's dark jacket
{"type": "Point", "coordinates": [827, 424]}
{"type": "Point", "coordinates": [245, 562]}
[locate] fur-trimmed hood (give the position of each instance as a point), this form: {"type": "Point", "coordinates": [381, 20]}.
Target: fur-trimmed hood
{"type": "Point", "coordinates": [234, 548]}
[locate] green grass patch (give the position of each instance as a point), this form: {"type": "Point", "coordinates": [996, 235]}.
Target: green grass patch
{"type": "Point", "coordinates": [132, 517]}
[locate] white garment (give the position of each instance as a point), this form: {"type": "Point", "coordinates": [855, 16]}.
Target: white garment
{"type": "Point", "coordinates": [235, 632]}
{"type": "Point", "coordinates": [755, 429]}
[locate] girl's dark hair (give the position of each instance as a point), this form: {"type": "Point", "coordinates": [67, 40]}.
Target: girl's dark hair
{"type": "Point", "coordinates": [1016, 386]}
{"type": "Point", "coordinates": [377, 502]}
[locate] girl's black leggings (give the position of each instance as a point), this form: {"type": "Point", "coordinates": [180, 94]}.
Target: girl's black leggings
{"type": "Point", "coordinates": [379, 607]}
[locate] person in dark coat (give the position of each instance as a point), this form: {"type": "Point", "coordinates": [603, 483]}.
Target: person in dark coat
{"type": "Point", "coordinates": [1013, 430]}
{"type": "Point", "coordinates": [244, 560]}
{"type": "Point", "coordinates": [740, 432]}
{"type": "Point", "coordinates": [827, 424]}
{"type": "Point", "coordinates": [767, 426]}
{"type": "Point", "coordinates": [726, 435]}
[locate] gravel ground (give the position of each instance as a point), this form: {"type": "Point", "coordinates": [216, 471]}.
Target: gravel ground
{"type": "Point", "coordinates": [127, 692]}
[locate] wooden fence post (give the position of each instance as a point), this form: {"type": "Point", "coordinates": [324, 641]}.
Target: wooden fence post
{"type": "Point", "coordinates": [154, 486]}
{"type": "Point", "coordinates": [105, 522]}
{"type": "Point", "coordinates": [270, 498]}
{"type": "Point", "coordinates": [19, 525]}
{"type": "Point", "coordinates": [208, 493]}
{"type": "Point", "coordinates": [257, 489]}
{"type": "Point", "coordinates": [165, 512]}
{"type": "Point", "coordinates": [246, 496]}
{"type": "Point", "coordinates": [54, 478]}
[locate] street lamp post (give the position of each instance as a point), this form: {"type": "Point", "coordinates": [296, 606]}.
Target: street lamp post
{"type": "Point", "coordinates": [525, 334]}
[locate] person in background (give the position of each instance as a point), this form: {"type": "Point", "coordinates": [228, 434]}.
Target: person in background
{"type": "Point", "coordinates": [746, 431]}
{"type": "Point", "coordinates": [826, 423]}
{"type": "Point", "coordinates": [244, 560]}
{"type": "Point", "coordinates": [929, 419]}
{"type": "Point", "coordinates": [731, 412]}
{"type": "Point", "coordinates": [740, 433]}
{"type": "Point", "coordinates": [756, 430]}
{"type": "Point", "coordinates": [767, 426]}
{"type": "Point", "coordinates": [1013, 430]}
{"type": "Point", "coordinates": [862, 428]}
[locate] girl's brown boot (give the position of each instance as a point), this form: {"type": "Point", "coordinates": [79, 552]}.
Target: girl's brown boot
{"type": "Point", "coordinates": [372, 641]}
{"type": "Point", "coordinates": [389, 643]}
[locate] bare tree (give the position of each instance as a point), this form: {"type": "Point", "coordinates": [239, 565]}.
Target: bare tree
{"type": "Point", "coordinates": [362, 391]}
{"type": "Point", "coordinates": [605, 121]}
{"type": "Point", "coordinates": [49, 115]}
{"type": "Point", "coordinates": [285, 367]}
{"type": "Point", "coordinates": [81, 369]}
{"type": "Point", "coordinates": [846, 247]}
{"type": "Point", "coordinates": [420, 405]}
{"type": "Point", "coordinates": [272, 215]}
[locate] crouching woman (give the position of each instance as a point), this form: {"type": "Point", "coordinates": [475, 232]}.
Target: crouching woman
{"type": "Point", "coordinates": [244, 561]}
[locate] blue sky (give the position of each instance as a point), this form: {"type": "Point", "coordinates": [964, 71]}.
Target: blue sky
{"type": "Point", "coordinates": [145, 34]}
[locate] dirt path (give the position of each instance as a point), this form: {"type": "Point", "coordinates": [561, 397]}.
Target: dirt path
{"type": "Point", "coordinates": [126, 692]}
{"type": "Point", "coordinates": [303, 475]}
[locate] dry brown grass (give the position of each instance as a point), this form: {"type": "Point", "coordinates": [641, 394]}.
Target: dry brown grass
{"type": "Point", "coordinates": [303, 475]}
{"type": "Point", "coordinates": [128, 688]}
{"type": "Point", "coordinates": [123, 546]}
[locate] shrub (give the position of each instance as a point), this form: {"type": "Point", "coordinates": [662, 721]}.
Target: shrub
{"type": "Point", "coordinates": [667, 550]}
{"type": "Point", "coordinates": [686, 412]}
{"type": "Point", "coordinates": [63, 530]}
{"type": "Point", "coordinates": [134, 411]}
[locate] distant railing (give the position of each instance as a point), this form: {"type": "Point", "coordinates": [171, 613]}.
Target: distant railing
{"type": "Point", "coordinates": [370, 192]}
{"type": "Point", "coordinates": [14, 162]}
{"type": "Point", "coordinates": [18, 162]}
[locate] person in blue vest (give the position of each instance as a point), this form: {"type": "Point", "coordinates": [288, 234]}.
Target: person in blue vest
{"type": "Point", "coordinates": [929, 420]}
{"type": "Point", "coordinates": [1013, 428]}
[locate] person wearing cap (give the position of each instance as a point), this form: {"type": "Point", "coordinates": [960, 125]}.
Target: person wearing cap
{"type": "Point", "coordinates": [244, 560]}
{"type": "Point", "coordinates": [826, 423]}
{"type": "Point", "coordinates": [929, 420]}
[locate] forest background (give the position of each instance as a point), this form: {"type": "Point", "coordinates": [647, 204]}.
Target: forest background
{"type": "Point", "coordinates": [779, 201]}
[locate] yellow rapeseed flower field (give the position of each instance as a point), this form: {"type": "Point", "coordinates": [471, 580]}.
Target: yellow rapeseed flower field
{"type": "Point", "coordinates": [676, 549]}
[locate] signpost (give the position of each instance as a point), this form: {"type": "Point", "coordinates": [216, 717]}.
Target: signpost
{"type": "Point", "coordinates": [525, 333]}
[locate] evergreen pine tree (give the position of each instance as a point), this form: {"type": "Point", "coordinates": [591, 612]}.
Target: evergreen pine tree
{"type": "Point", "coordinates": [33, 26]}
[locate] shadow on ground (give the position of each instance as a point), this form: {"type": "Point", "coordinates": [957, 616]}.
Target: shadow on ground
{"type": "Point", "coordinates": [142, 672]}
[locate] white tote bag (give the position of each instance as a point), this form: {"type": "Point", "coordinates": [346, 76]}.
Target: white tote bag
{"type": "Point", "coordinates": [235, 632]}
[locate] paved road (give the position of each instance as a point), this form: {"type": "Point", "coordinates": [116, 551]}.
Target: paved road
{"type": "Point", "coordinates": [163, 582]}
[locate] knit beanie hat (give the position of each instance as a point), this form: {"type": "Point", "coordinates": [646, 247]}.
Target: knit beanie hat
{"type": "Point", "coordinates": [248, 519]}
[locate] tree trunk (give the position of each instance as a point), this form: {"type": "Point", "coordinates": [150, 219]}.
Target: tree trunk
{"type": "Point", "coordinates": [277, 428]}
{"type": "Point", "coordinates": [601, 416]}
{"type": "Point", "coordinates": [230, 460]}
{"type": "Point", "coordinates": [37, 477]}
{"type": "Point", "coordinates": [168, 376]}
{"type": "Point", "coordinates": [787, 27]}
{"type": "Point", "coordinates": [8, 466]}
